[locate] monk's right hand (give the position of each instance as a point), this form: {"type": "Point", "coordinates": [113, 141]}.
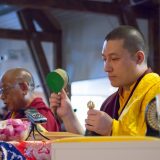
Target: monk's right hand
{"type": "Point", "coordinates": [61, 104]}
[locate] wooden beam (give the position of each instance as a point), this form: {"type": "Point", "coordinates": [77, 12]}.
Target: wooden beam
{"type": "Point", "coordinates": [154, 40]}
{"type": "Point", "coordinates": [126, 14]}
{"type": "Point", "coordinates": [36, 50]}
{"type": "Point", "coordinates": [129, 17]}
{"type": "Point", "coordinates": [77, 5]}
{"type": "Point", "coordinates": [51, 34]}
{"type": "Point", "coordinates": [44, 22]}
{"type": "Point", "coordinates": [47, 25]}
{"type": "Point", "coordinates": [58, 57]}
{"type": "Point", "coordinates": [28, 35]}
{"type": "Point", "coordinates": [58, 43]}
{"type": "Point", "coordinates": [6, 10]}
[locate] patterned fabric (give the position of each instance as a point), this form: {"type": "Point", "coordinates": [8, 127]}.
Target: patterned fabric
{"type": "Point", "coordinates": [9, 152]}
{"type": "Point", "coordinates": [34, 150]}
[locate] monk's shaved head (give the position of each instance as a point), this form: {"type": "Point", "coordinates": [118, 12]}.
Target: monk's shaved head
{"type": "Point", "coordinates": [16, 88]}
{"type": "Point", "coordinates": [18, 75]}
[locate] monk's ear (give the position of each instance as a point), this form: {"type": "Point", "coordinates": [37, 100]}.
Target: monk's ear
{"type": "Point", "coordinates": [140, 57]}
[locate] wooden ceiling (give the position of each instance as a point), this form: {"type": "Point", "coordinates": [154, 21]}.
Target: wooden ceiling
{"type": "Point", "coordinates": [39, 10]}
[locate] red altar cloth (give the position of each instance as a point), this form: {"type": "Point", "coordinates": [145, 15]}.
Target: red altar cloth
{"type": "Point", "coordinates": [34, 150]}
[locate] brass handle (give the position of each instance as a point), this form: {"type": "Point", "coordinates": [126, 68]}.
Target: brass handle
{"type": "Point", "coordinates": [90, 105]}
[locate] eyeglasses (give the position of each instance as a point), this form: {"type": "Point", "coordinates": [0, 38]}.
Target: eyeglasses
{"type": "Point", "coordinates": [5, 91]}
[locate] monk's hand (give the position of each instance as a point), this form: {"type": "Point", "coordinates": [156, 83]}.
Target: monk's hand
{"type": "Point", "coordinates": [99, 122]}
{"type": "Point", "coordinates": [60, 104]}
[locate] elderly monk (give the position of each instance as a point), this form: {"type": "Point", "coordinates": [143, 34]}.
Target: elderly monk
{"type": "Point", "coordinates": [17, 92]}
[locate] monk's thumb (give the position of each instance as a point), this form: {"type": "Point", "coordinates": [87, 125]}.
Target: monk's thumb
{"type": "Point", "coordinates": [63, 94]}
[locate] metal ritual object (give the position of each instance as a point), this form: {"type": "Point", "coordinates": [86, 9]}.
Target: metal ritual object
{"type": "Point", "coordinates": [90, 105]}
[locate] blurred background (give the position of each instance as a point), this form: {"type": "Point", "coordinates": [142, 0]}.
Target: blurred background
{"type": "Point", "coordinates": [44, 35]}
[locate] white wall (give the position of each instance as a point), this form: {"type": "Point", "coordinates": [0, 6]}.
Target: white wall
{"type": "Point", "coordinates": [83, 36]}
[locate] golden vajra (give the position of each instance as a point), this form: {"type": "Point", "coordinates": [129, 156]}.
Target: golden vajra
{"type": "Point", "coordinates": [90, 105]}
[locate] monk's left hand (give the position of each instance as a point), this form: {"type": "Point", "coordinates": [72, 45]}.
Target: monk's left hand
{"type": "Point", "coordinates": [99, 122]}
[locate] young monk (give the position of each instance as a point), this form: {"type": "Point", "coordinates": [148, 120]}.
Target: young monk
{"type": "Point", "coordinates": [124, 54]}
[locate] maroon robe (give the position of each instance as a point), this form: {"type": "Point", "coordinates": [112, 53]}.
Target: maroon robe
{"type": "Point", "coordinates": [37, 103]}
{"type": "Point", "coordinates": [111, 105]}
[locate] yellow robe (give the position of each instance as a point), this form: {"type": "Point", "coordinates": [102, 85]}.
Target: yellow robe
{"type": "Point", "coordinates": [132, 119]}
